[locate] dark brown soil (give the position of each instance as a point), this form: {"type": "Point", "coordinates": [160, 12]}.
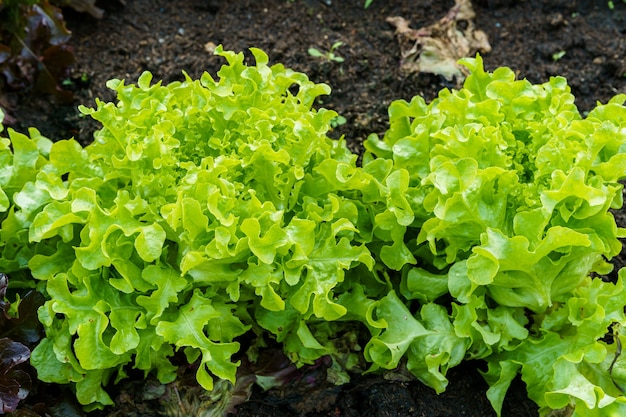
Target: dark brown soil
{"type": "Point", "coordinates": [373, 396]}
{"type": "Point", "coordinates": [167, 37]}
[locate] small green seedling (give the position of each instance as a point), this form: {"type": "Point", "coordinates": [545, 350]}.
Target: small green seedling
{"type": "Point", "coordinates": [558, 55]}
{"type": "Point", "coordinates": [330, 55]}
{"type": "Point", "coordinates": [338, 121]}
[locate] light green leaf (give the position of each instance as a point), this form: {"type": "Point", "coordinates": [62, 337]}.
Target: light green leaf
{"type": "Point", "coordinates": [519, 277]}
{"type": "Point", "coordinates": [193, 327]}
{"type": "Point", "coordinates": [325, 269]}
{"type": "Point", "coordinates": [386, 349]}
{"type": "Point", "coordinates": [265, 247]}
{"type": "Point", "coordinates": [423, 285]}
{"type": "Point", "coordinates": [430, 356]}
{"type": "Point", "coordinates": [169, 285]}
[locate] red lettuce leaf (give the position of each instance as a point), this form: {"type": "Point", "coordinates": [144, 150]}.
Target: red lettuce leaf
{"type": "Point", "coordinates": [35, 51]}
{"type": "Point", "coordinates": [16, 335]}
{"type": "Point", "coordinates": [25, 328]}
{"type": "Point", "coordinates": [15, 383]}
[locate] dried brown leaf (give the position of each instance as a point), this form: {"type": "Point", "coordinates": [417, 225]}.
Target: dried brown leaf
{"type": "Point", "coordinates": [437, 48]}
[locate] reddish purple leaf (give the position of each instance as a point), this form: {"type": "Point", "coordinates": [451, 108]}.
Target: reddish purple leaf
{"type": "Point", "coordinates": [34, 51]}
{"type": "Point", "coordinates": [15, 384]}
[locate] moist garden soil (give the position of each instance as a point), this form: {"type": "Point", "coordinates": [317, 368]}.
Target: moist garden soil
{"type": "Point", "coordinates": [584, 41]}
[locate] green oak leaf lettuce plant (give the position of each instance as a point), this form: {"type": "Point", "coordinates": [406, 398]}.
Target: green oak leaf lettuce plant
{"type": "Point", "coordinates": [511, 190]}
{"type": "Point", "coordinates": [204, 210]}
{"type": "Point", "coordinates": [213, 217]}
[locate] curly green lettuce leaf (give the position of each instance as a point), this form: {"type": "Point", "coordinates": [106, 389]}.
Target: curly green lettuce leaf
{"type": "Point", "coordinates": [210, 328]}
{"type": "Point", "coordinates": [566, 363]}
{"type": "Point", "coordinates": [427, 339]}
